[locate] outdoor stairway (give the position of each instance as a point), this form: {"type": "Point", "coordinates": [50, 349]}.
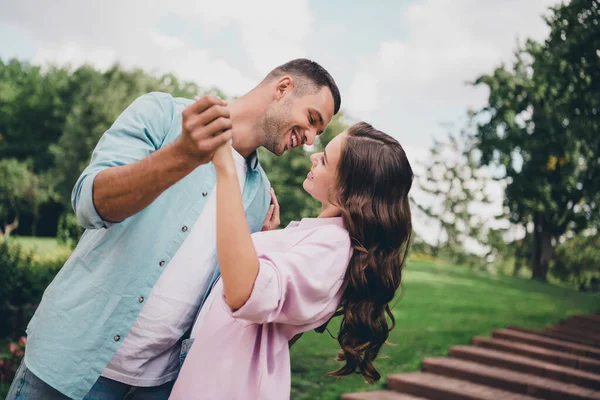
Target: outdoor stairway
{"type": "Point", "coordinates": [557, 362]}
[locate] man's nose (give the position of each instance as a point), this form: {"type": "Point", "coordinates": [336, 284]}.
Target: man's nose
{"type": "Point", "coordinates": [310, 137]}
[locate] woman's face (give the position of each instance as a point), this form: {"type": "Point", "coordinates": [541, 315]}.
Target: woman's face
{"type": "Point", "coordinates": [322, 176]}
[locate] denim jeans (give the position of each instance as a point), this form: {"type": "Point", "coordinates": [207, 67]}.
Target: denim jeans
{"type": "Point", "coordinates": [27, 386]}
{"type": "Point", "coordinates": [186, 345]}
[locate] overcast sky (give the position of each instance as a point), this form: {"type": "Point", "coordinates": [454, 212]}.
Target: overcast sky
{"type": "Point", "coordinates": [400, 65]}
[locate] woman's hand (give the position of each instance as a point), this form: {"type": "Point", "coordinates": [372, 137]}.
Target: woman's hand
{"type": "Point", "coordinates": [272, 221]}
{"type": "Point", "coordinates": [223, 159]}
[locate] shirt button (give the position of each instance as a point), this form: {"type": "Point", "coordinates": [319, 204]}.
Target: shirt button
{"type": "Point", "coordinates": [141, 299]}
{"type": "Point", "coordinates": [117, 338]}
{"type": "Point", "coordinates": [204, 194]}
{"type": "Point", "coordinates": [162, 263]}
{"type": "Point", "coordinates": [184, 228]}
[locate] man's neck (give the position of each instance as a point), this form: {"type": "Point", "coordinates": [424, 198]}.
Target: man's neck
{"type": "Point", "coordinates": [245, 112]}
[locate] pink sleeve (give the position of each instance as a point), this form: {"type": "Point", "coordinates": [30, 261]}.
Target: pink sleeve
{"type": "Point", "coordinates": [296, 286]}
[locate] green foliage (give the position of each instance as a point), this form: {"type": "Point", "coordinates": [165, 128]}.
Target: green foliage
{"type": "Point", "coordinates": [33, 108]}
{"type": "Point", "coordinates": [9, 362]}
{"type": "Point", "coordinates": [454, 187]}
{"type": "Point", "coordinates": [20, 189]}
{"type": "Point", "coordinates": [541, 126]}
{"type": "Point", "coordinates": [577, 262]}
{"type": "Point", "coordinates": [23, 279]}
{"type": "Point", "coordinates": [69, 231]}
{"type": "Point", "coordinates": [13, 260]}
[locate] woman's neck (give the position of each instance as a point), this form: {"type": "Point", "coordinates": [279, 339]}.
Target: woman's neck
{"type": "Point", "coordinates": [329, 211]}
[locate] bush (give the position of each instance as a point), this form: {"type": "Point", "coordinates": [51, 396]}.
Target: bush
{"type": "Point", "coordinates": [13, 260]}
{"type": "Point", "coordinates": [23, 279]}
{"type": "Point", "coordinates": [577, 262]}
{"type": "Point", "coordinates": [69, 230]}
{"type": "Point", "coordinates": [10, 361]}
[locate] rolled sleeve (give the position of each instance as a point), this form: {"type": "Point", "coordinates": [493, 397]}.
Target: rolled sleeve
{"type": "Point", "coordinates": [86, 212]}
{"type": "Point", "coordinates": [137, 132]}
{"type": "Point", "coordinates": [298, 285]}
{"type": "Point", "coordinates": [265, 296]}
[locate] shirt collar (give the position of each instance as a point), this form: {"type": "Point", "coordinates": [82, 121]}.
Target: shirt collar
{"type": "Point", "coordinates": [316, 222]}
{"type": "Point", "coordinates": [252, 161]}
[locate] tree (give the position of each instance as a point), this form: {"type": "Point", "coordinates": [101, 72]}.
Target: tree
{"type": "Point", "coordinates": [542, 128]}
{"type": "Point", "coordinates": [20, 189]}
{"type": "Point", "coordinates": [33, 107]}
{"type": "Point", "coordinates": [454, 194]}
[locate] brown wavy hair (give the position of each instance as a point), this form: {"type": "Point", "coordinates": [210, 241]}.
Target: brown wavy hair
{"type": "Point", "coordinates": [373, 181]}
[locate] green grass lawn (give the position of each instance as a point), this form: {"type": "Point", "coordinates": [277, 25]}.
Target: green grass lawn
{"type": "Point", "coordinates": [41, 246]}
{"type": "Point", "coordinates": [441, 306]}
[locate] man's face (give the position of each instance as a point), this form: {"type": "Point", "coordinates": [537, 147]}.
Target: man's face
{"type": "Point", "coordinates": [294, 121]}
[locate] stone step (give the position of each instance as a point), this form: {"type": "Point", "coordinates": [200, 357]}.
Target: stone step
{"type": "Point", "coordinates": [437, 387]}
{"type": "Point", "coordinates": [540, 353]}
{"type": "Point", "coordinates": [515, 362]}
{"type": "Point", "coordinates": [582, 320]}
{"type": "Point", "coordinates": [592, 330]}
{"type": "Point", "coordinates": [586, 335]}
{"type": "Point", "coordinates": [594, 318]}
{"type": "Point", "coordinates": [508, 380]}
{"type": "Point", "coordinates": [380, 395]}
{"type": "Point", "coordinates": [554, 334]}
{"type": "Point", "coordinates": [547, 342]}
{"type": "Point", "coordinates": [589, 331]}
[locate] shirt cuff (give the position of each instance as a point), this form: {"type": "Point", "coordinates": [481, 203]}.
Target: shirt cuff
{"type": "Point", "coordinates": [264, 298]}
{"type": "Point", "coordinates": [86, 210]}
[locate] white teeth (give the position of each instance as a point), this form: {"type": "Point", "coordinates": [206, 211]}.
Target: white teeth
{"type": "Point", "coordinates": [294, 140]}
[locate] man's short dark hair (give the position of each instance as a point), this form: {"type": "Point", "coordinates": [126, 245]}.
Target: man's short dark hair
{"type": "Point", "coordinates": [313, 74]}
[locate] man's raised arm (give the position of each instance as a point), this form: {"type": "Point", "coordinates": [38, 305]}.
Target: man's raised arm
{"type": "Point", "coordinates": [129, 169]}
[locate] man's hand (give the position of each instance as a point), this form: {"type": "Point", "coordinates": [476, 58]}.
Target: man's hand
{"type": "Point", "coordinates": [272, 221]}
{"type": "Point", "coordinates": [205, 126]}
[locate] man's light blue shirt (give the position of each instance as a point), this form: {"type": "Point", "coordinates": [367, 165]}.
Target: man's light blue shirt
{"type": "Point", "coordinates": [90, 306]}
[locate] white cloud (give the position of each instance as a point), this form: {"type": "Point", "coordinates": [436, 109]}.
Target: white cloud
{"type": "Point", "coordinates": [362, 96]}
{"type": "Point", "coordinates": [405, 86]}
{"type": "Point", "coordinates": [448, 44]}
{"type": "Point", "coordinates": [101, 33]}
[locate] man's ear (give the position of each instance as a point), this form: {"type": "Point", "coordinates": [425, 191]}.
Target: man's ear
{"type": "Point", "coordinates": [285, 86]}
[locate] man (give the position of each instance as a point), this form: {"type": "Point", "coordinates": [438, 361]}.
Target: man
{"type": "Point", "coordinates": [111, 323]}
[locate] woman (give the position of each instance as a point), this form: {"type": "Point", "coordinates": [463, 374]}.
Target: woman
{"type": "Point", "coordinates": [277, 284]}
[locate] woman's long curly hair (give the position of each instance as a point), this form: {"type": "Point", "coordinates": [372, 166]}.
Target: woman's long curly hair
{"type": "Point", "coordinates": [373, 181]}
